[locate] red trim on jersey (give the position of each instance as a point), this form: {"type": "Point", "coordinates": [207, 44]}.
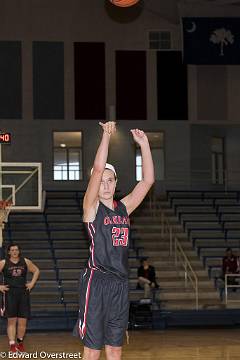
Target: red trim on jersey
{"type": "Point", "coordinates": [82, 327]}
{"type": "Point", "coordinates": [93, 228]}
{"type": "Point", "coordinates": [115, 204]}
{"type": "Point", "coordinates": [2, 310]}
{"type": "Point", "coordinates": [92, 246]}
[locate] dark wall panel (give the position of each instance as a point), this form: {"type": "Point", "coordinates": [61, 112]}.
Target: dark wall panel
{"type": "Point", "coordinates": [10, 80]}
{"type": "Point", "coordinates": [48, 80]}
{"type": "Point", "coordinates": [131, 102]}
{"type": "Point", "coordinates": [89, 65]}
{"type": "Point", "coordinates": [172, 86]}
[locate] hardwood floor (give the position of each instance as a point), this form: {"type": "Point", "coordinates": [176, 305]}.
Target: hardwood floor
{"type": "Point", "coordinates": [196, 344]}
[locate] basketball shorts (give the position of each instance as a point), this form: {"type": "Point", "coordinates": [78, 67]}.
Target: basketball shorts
{"type": "Point", "coordinates": [103, 309]}
{"type": "Point", "coordinates": [17, 303]}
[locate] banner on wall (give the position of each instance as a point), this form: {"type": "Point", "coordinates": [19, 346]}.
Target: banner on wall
{"type": "Point", "coordinates": [211, 40]}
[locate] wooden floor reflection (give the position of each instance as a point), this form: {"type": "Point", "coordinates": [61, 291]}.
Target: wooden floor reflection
{"type": "Point", "coordinates": [180, 344]}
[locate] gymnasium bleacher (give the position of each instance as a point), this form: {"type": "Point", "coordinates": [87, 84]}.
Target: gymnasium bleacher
{"type": "Point", "coordinates": [212, 221]}
{"type": "Point", "coordinates": [174, 294]}
{"type": "Point", "coordinates": [205, 222]}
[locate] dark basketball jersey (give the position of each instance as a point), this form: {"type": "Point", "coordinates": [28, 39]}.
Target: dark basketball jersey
{"type": "Point", "coordinates": [15, 275]}
{"type": "Point", "coordinates": [109, 240]}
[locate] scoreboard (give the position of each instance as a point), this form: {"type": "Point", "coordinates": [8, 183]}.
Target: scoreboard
{"type": "Point", "coordinates": [5, 138]}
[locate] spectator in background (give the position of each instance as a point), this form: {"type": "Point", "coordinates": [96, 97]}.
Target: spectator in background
{"type": "Point", "coordinates": [146, 277]}
{"type": "Point", "coordinates": [230, 266]}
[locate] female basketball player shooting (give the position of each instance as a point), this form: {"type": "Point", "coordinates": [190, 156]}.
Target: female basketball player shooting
{"type": "Point", "coordinates": [103, 313]}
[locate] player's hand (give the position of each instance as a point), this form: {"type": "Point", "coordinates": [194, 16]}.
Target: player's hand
{"type": "Point", "coordinates": [108, 127]}
{"type": "Point", "coordinates": [4, 288]}
{"type": "Point", "coordinates": [29, 286]}
{"type": "Point", "coordinates": [139, 136]}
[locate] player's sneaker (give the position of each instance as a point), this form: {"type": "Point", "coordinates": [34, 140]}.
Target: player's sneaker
{"type": "Point", "coordinates": [13, 348]}
{"type": "Point", "coordinates": [20, 347]}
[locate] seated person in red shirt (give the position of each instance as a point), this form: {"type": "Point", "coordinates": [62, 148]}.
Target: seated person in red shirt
{"type": "Point", "coordinates": [230, 266]}
{"type": "Point", "coordinates": [146, 277]}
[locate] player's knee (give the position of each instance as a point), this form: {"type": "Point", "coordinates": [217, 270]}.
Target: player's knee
{"type": "Point", "coordinates": [12, 321]}
{"type": "Point", "coordinates": [91, 354]}
{"type": "Point", "coordinates": [113, 352]}
{"type": "Point", "coordinates": [22, 321]}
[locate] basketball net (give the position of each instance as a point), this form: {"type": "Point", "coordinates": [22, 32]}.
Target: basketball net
{"type": "Point", "coordinates": [5, 208]}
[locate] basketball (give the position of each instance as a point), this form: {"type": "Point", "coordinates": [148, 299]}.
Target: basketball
{"type": "Point", "coordinates": [124, 3]}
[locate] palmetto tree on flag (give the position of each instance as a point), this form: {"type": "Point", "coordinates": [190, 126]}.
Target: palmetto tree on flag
{"type": "Point", "coordinates": [222, 37]}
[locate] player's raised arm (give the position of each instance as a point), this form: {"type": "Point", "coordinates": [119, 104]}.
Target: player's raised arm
{"type": "Point", "coordinates": [90, 201]}
{"type": "Point", "coordinates": [133, 199]}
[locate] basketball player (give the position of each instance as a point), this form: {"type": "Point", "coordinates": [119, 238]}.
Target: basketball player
{"type": "Point", "coordinates": [103, 311]}
{"type": "Point", "coordinates": [16, 291]}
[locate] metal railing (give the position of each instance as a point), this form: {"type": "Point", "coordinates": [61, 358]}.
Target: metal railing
{"type": "Point", "coordinates": [152, 200]}
{"type": "Point", "coordinates": [189, 273]}
{"type": "Point", "coordinates": [166, 228]}
{"type": "Point", "coordinates": [232, 287]}
{"type": "Point", "coordinates": [180, 257]}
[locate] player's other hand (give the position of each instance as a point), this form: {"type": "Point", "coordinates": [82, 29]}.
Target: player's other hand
{"type": "Point", "coordinates": [4, 288]}
{"type": "Point", "coordinates": [29, 286]}
{"type": "Point", "coordinates": [108, 127]}
{"type": "Point", "coordinates": [139, 136]}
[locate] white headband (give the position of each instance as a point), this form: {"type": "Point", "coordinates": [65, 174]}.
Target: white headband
{"type": "Point", "coordinates": [109, 167]}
